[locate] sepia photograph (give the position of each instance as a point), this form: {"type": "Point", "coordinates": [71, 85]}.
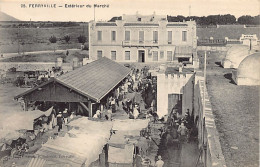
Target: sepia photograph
{"type": "Point", "coordinates": [129, 83]}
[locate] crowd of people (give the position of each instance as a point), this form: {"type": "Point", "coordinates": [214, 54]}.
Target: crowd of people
{"type": "Point", "coordinates": [179, 128]}
{"type": "Point", "coordinates": [135, 89]}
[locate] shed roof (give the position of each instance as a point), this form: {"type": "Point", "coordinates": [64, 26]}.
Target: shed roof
{"type": "Point", "coordinates": [141, 24]}
{"type": "Point", "coordinates": [93, 80]}
{"type": "Point", "coordinates": [106, 24]}
{"type": "Point", "coordinates": [171, 24]}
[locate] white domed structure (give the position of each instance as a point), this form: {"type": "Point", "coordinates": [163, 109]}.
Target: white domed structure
{"type": "Point", "coordinates": [248, 72]}
{"type": "Point", "coordinates": [235, 55]}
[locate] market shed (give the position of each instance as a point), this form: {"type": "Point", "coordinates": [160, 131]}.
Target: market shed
{"type": "Point", "coordinates": [82, 88]}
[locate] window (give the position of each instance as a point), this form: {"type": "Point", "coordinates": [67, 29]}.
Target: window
{"type": "Point", "coordinates": [155, 55]}
{"type": "Point", "coordinates": [169, 37]}
{"type": "Point", "coordinates": [127, 35]}
{"type": "Point", "coordinates": [169, 55]}
{"type": "Point", "coordinates": [184, 35]}
{"type": "Point", "coordinates": [99, 54]}
{"type": "Point", "coordinates": [161, 54]}
{"type": "Point", "coordinates": [127, 55]}
{"type": "Point", "coordinates": [141, 36]}
{"type": "Point", "coordinates": [113, 35]}
{"type": "Point", "coordinates": [155, 36]}
{"type": "Point", "coordinates": [139, 19]}
{"type": "Point", "coordinates": [99, 35]}
{"type": "Point", "coordinates": [113, 55]}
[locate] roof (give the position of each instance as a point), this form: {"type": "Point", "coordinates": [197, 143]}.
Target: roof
{"type": "Point", "coordinates": [140, 24]}
{"type": "Point", "coordinates": [250, 67]}
{"type": "Point", "coordinates": [170, 25]}
{"type": "Point", "coordinates": [106, 24]}
{"type": "Point", "coordinates": [235, 55]}
{"type": "Point", "coordinates": [93, 80]}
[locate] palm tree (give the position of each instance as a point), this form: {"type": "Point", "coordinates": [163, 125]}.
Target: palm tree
{"type": "Point", "coordinates": [67, 38]}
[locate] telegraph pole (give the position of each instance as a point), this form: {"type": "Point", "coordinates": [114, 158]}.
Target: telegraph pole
{"type": "Point", "coordinates": [205, 81]}
{"type": "Point", "coordinates": [18, 49]}
{"type": "Point", "coordinates": [94, 14]}
{"type": "Point", "coordinates": [189, 11]}
{"type": "Point", "coordinates": [204, 109]}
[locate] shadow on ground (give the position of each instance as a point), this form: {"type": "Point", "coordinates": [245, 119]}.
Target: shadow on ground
{"type": "Point", "coordinates": [229, 77]}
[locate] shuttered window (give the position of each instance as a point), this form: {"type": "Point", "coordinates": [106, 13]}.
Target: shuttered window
{"type": "Point", "coordinates": [113, 55]}
{"type": "Point", "coordinates": [155, 55]}
{"type": "Point", "coordinates": [161, 54]}
{"type": "Point", "coordinates": [169, 37]}
{"type": "Point", "coordinates": [155, 36]}
{"type": "Point", "coordinates": [184, 35]}
{"type": "Point", "coordinates": [99, 35]}
{"type": "Point", "coordinates": [127, 35]}
{"type": "Point", "coordinates": [127, 55]}
{"type": "Point", "coordinates": [169, 55]}
{"type": "Point", "coordinates": [141, 36]}
{"type": "Point", "coordinates": [99, 54]}
{"type": "Point", "coordinates": [113, 35]}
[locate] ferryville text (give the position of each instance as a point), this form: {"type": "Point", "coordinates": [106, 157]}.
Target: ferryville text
{"type": "Point", "coordinates": [64, 6]}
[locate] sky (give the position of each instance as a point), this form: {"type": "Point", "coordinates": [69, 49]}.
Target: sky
{"type": "Point", "coordinates": [119, 7]}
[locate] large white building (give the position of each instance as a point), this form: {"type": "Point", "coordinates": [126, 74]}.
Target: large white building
{"type": "Point", "coordinates": [137, 38]}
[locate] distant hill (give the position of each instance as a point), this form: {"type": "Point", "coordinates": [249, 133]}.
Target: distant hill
{"type": "Point", "coordinates": [6, 17]}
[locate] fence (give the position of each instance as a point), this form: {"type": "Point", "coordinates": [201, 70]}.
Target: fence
{"type": "Point", "coordinates": [211, 42]}
{"type": "Point", "coordinates": [212, 48]}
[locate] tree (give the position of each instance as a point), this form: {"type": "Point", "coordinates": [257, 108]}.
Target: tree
{"type": "Point", "coordinates": [67, 39]}
{"type": "Point", "coordinates": [82, 39]}
{"type": "Point", "coordinates": [246, 19]}
{"type": "Point", "coordinates": [53, 40]}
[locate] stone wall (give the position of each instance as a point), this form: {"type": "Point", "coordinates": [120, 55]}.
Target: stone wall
{"type": "Point", "coordinates": [211, 152]}
{"type": "Point", "coordinates": [27, 66]}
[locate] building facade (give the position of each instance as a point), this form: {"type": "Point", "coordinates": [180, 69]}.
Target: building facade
{"type": "Point", "coordinates": [137, 38]}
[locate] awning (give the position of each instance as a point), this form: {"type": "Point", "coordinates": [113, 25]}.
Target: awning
{"type": "Point", "coordinates": [118, 155]}
{"type": "Point", "coordinates": [11, 122]}
{"type": "Point", "coordinates": [83, 143]}
{"type": "Point", "coordinates": [130, 124]}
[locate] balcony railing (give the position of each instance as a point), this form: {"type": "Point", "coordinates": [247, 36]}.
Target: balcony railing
{"type": "Point", "coordinates": [139, 43]}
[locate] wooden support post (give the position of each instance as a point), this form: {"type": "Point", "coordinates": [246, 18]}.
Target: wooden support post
{"type": "Point", "coordinates": [86, 108]}
{"type": "Point", "coordinates": [90, 108]}
{"type": "Point", "coordinates": [25, 105]}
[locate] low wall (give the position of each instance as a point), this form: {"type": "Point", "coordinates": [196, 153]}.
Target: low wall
{"type": "Point", "coordinates": [212, 48]}
{"type": "Point", "coordinates": [27, 66]}
{"type": "Point", "coordinates": [211, 152]}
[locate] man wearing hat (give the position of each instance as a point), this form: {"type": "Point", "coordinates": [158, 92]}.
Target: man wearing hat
{"type": "Point", "coordinates": [65, 115]}
{"type": "Point", "coordinates": [159, 163]}
{"type": "Point", "coordinates": [135, 111]}
{"type": "Point", "coordinates": [128, 105]}
{"type": "Point", "coordinates": [59, 121]}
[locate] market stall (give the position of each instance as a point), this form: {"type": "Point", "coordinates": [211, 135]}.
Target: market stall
{"type": "Point", "coordinates": [126, 142]}
{"type": "Point", "coordinates": [80, 146]}
{"type": "Point", "coordinates": [10, 123]}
